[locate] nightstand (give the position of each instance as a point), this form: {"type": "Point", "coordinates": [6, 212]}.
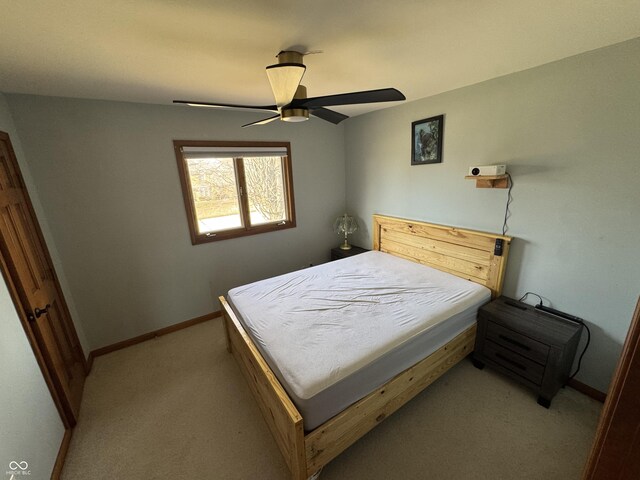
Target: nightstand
{"type": "Point", "coordinates": [337, 253]}
{"type": "Point", "coordinates": [526, 344]}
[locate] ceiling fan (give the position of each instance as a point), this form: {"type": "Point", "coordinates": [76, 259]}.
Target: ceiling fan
{"type": "Point", "coordinates": [292, 104]}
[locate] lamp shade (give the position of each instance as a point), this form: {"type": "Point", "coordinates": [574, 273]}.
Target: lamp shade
{"type": "Point", "coordinates": [345, 224]}
{"type": "Point", "coordinates": [284, 79]}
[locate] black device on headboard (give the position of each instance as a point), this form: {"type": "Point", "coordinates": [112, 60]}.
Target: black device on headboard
{"type": "Point", "coordinates": [498, 249]}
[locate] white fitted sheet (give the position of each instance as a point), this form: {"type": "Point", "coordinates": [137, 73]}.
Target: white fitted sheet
{"type": "Point", "coordinates": [336, 332]}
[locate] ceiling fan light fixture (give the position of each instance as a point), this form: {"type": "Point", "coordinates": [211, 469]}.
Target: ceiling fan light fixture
{"type": "Point", "coordinates": [294, 115]}
{"type": "Point", "coordinates": [284, 79]}
{"type": "Point", "coordinates": [293, 104]}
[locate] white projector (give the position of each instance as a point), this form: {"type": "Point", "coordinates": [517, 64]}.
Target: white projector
{"type": "Point", "coordinates": [488, 170]}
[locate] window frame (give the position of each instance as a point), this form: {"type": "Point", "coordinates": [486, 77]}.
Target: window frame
{"type": "Point", "coordinates": [246, 228]}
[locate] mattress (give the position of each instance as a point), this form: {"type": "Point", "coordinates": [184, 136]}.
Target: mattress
{"type": "Point", "coordinates": [335, 332]}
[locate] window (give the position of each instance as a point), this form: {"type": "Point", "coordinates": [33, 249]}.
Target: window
{"type": "Point", "coordinates": [233, 189]}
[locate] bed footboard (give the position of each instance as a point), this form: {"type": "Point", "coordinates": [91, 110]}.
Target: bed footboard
{"type": "Point", "coordinates": [334, 436]}
{"type": "Point", "coordinates": [284, 420]}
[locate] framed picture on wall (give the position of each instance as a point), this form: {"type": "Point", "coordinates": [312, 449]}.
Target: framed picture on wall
{"type": "Point", "coordinates": [426, 140]}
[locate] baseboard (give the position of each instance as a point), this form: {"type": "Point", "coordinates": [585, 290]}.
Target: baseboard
{"type": "Point", "coordinates": [62, 454]}
{"type": "Point", "coordinates": [148, 336]}
{"type": "Point", "coordinates": [587, 390]}
{"type": "Point", "coordinates": [89, 363]}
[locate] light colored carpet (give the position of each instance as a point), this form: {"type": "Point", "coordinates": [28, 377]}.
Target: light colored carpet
{"type": "Point", "coordinates": [178, 407]}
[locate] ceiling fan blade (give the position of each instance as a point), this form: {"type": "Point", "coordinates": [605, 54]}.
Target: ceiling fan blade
{"type": "Point", "coordinates": [191, 103]}
{"type": "Point", "coordinates": [284, 79]}
{"type": "Point", "coordinates": [328, 115]}
{"type": "Point", "coordinates": [369, 96]}
{"type": "Point", "coordinates": [263, 121]}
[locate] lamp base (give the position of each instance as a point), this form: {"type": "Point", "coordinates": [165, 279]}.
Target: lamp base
{"type": "Point", "coordinates": [345, 246]}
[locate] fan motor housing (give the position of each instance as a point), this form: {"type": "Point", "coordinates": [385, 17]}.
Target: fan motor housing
{"type": "Point", "coordinates": [289, 56]}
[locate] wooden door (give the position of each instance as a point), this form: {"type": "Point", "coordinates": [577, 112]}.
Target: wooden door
{"type": "Point", "coordinates": [34, 287]}
{"type": "Point", "coordinates": [616, 450]}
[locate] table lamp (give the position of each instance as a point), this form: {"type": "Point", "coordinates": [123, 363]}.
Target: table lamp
{"type": "Point", "coordinates": [345, 224]}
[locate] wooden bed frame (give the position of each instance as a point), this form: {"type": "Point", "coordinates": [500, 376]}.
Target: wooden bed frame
{"type": "Point", "coordinates": [465, 253]}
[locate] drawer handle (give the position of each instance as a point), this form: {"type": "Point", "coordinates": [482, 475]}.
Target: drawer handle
{"type": "Point", "coordinates": [515, 342]}
{"type": "Point", "coordinates": [508, 360]}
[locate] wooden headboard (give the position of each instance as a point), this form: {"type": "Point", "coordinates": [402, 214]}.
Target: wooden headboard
{"type": "Point", "coordinates": [465, 253]}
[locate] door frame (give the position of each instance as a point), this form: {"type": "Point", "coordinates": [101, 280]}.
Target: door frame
{"type": "Point", "coordinates": [42, 358]}
{"type": "Point", "coordinates": [611, 455]}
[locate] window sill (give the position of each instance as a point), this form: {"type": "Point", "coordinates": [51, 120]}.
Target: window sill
{"type": "Point", "coordinates": [240, 232]}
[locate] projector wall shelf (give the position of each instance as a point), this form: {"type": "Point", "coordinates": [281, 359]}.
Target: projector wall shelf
{"type": "Point", "coordinates": [490, 181]}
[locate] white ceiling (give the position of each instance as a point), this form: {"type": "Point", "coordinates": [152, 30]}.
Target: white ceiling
{"type": "Point", "coordinates": [158, 50]}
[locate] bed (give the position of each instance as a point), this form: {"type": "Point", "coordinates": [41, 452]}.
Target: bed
{"type": "Point", "coordinates": [316, 413]}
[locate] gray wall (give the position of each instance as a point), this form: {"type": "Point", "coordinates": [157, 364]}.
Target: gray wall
{"type": "Point", "coordinates": [107, 178]}
{"type": "Point", "coordinates": [31, 429]}
{"type": "Point", "coordinates": [568, 132]}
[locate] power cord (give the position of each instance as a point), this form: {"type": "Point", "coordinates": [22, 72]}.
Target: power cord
{"type": "Point", "coordinates": [583, 351]}
{"type": "Point", "coordinates": [507, 213]}
{"type": "Point", "coordinates": [531, 293]}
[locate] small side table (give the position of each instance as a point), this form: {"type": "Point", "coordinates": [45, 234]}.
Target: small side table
{"type": "Point", "coordinates": [530, 346]}
{"type": "Point", "coordinates": [337, 253]}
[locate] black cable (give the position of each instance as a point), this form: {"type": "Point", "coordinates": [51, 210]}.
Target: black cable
{"type": "Point", "coordinates": [583, 351]}
{"type": "Point", "coordinates": [531, 293]}
{"type": "Point", "coordinates": [507, 213]}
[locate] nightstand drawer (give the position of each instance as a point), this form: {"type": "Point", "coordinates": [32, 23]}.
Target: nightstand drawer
{"type": "Point", "coordinates": [514, 362]}
{"type": "Point", "coordinates": [532, 349]}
